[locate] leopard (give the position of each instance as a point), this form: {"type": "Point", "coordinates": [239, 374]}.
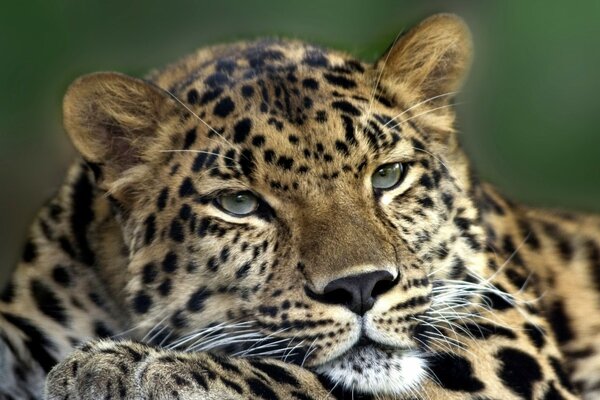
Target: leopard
{"type": "Point", "coordinates": [271, 219]}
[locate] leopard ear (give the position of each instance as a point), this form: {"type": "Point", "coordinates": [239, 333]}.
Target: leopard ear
{"type": "Point", "coordinates": [112, 118]}
{"type": "Point", "coordinates": [432, 58]}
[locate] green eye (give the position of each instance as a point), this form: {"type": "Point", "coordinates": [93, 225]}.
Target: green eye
{"type": "Point", "coordinates": [387, 176]}
{"type": "Point", "coordinates": [239, 204]}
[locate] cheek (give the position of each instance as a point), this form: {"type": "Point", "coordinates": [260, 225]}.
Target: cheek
{"type": "Point", "coordinates": [416, 228]}
{"type": "Point", "coordinates": [237, 262]}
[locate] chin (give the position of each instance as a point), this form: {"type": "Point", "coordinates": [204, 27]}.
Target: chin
{"type": "Point", "coordinates": [376, 370]}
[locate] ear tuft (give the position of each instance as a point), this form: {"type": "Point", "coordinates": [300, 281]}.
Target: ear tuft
{"type": "Point", "coordinates": [433, 58]}
{"type": "Point", "coordinates": [111, 117]}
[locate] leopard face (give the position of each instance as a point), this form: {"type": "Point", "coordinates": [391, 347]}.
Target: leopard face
{"type": "Point", "coordinates": [278, 199]}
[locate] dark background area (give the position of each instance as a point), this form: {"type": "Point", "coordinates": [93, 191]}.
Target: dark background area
{"type": "Point", "coordinates": [529, 116]}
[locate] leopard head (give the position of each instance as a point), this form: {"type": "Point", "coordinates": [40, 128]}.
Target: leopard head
{"type": "Point", "coordinates": [282, 200]}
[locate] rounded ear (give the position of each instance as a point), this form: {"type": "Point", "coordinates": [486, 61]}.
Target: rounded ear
{"type": "Point", "coordinates": [432, 58]}
{"type": "Point", "coordinates": [111, 118]}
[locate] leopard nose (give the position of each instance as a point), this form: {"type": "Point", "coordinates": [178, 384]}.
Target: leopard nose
{"type": "Point", "coordinates": [357, 292]}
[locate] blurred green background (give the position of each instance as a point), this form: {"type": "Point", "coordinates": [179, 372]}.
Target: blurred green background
{"type": "Point", "coordinates": [529, 119]}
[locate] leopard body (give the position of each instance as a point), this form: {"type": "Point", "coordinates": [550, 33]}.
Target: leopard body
{"type": "Point", "coordinates": [136, 283]}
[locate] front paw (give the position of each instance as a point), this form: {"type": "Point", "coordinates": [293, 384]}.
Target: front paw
{"type": "Point", "coordinates": [178, 376]}
{"type": "Point", "coordinates": [100, 371]}
{"type": "Point", "coordinates": [207, 376]}
{"type": "Point", "coordinates": [125, 370]}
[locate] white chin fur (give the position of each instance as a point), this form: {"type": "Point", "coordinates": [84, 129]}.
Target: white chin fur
{"type": "Point", "coordinates": [371, 370]}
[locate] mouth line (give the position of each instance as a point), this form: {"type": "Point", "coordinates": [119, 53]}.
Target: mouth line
{"type": "Point", "coordinates": [362, 344]}
{"type": "Point", "coordinates": [365, 342]}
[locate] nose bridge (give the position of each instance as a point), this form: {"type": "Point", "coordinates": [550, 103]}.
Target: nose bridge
{"type": "Point", "coordinates": [342, 240]}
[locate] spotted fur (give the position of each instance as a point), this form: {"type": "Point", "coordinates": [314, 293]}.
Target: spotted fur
{"type": "Point", "coordinates": [134, 283]}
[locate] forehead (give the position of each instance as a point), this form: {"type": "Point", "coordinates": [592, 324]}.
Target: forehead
{"type": "Point", "coordinates": [275, 108]}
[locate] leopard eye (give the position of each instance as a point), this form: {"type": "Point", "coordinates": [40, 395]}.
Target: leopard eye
{"type": "Point", "coordinates": [238, 204]}
{"type": "Point", "coordinates": [387, 176]}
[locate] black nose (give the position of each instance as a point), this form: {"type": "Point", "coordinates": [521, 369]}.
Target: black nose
{"type": "Point", "coordinates": [357, 292]}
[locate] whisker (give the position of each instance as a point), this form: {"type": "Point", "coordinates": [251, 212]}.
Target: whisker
{"type": "Point", "coordinates": [157, 334]}
{"type": "Point", "coordinates": [267, 337]}
{"type": "Point", "coordinates": [443, 164]}
{"type": "Point", "coordinates": [218, 340]}
{"type": "Point", "coordinates": [332, 389]}
{"type": "Point", "coordinates": [165, 339]}
{"type": "Point", "coordinates": [509, 259]}
{"type": "Point", "coordinates": [438, 333]}
{"type": "Point", "coordinates": [424, 113]}
{"type": "Point", "coordinates": [139, 326]}
{"type": "Point", "coordinates": [293, 348]}
{"type": "Point", "coordinates": [418, 104]}
{"type": "Point", "coordinates": [267, 345]}
{"type": "Point", "coordinates": [380, 75]}
{"type": "Point", "coordinates": [197, 117]}
{"type": "Point", "coordinates": [198, 151]}
{"type": "Point", "coordinates": [285, 351]}
{"type": "Point", "coordinates": [209, 331]}
{"type": "Point", "coordinates": [311, 349]}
